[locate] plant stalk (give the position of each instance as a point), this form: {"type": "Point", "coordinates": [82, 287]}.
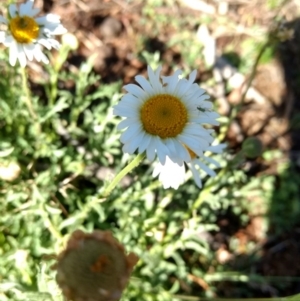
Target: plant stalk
{"type": "Point", "coordinates": [134, 163]}
{"type": "Point", "coordinates": [28, 95]}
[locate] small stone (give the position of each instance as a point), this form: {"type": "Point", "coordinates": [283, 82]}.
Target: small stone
{"type": "Point", "coordinates": [110, 27]}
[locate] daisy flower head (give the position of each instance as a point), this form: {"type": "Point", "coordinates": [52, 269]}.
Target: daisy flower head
{"type": "Point", "coordinates": [26, 32]}
{"type": "Point", "coordinates": [94, 266]}
{"type": "Point", "coordinates": [161, 117]}
{"type": "Point", "coordinates": [173, 174]}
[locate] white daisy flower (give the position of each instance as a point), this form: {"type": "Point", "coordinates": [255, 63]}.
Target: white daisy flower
{"type": "Point", "coordinates": [25, 33]}
{"type": "Point", "coordinates": [162, 117]}
{"type": "Point", "coordinates": [170, 174]}
{"type": "Point", "coordinates": [173, 175]}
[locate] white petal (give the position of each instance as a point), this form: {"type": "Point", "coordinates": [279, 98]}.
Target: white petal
{"type": "Point", "coordinates": [144, 84]}
{"type": "Point", "coordinates": [145, 143]}
{"type": "Point", "coordinates": [12, 10]}
{"type": "Point", "coordinates": [46, 43]}
{"type": "Point", "coordinates": [131, 99]}
{"type": "Point", "coordinates": [58, 30]}
{"type": "Point", "coordinates": [207, 120]}
{"type": "Point", "coordinates": [130, 133]}
{"type": "Point", "coordinates": [182, 87]}
{"type": "Point", "coordinates": [13, 53]}
{"type": "Point", "coordinates": [8, 40]}
{"type": "Point", "coordinates": [126, 149]}
{"type": "Point", "coordinates": [34, 12]}
{"type": "Point", "coordinates": [21, 56]}
{"type": "Point", "coordinates": [177, 152]}
{"type": "Point", "coordinates": [49, 18]}
{"type": "Point", "coordinates": [185, 86]}
{"type": "Point", "coordinates": [43, 57]}
{"type": "Point", "coordinates": [126, 123]}
{"type": "Point", "coordinates": [198, 95]}
{"type": "Point", "coordinates": [161, 149]}
{"type": "Point", "coordinates": [193, 143]}
{"type": "Point", "coordinates": [211, 161]}
{"type": "Point", "coordinates": [171, 146]}
{"type": "Point", "coordinates": [29, 51]}
{"type": "Point", "coordinates": [154, 80]}
{"type": "Point", "coordinates": [130, 104]}
{"type": "Point", "coordinates": [3, 20]}
{"type": "Point", "coordinates": [208, 105]}
{"type": "Point", "coordinates": [216, 148]}
{"type": "Point", "coordinates": [194, 129]}
{"type": "Point", "coordinates": [171, 81]}
{"type": "Point", "coordinates": [157, 169]}
{"type": "Point", "coordinates": [134, 143]}
{"type": "Point", "coordinates": [135, 90]}
{"type": "Point", "coordinates": [151, 149]}
{"type": "Point", "coordinates": [25, 8]}
{"type": "Point", "coordinates": [39, 55]}
{"type": "Point", "coordinates": [182, 152]}
{"type": "Point", "coordinates": [196, 175]}
{"type": "Point", "coordinates": [208, 170]}
{"type": "Point", "coordinates": [170, 174]}
{"type": "Point", "coordinates": [122, 110]}
{"type": "Point", "coordinates": [129, 148]}
{"type": "Point", "coordinates": [192, 76]}
{"type": "Point", "coordinates": [2, 36]}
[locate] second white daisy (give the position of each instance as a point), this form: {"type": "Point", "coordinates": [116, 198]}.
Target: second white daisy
{"type": "Point", "coordinates": [162, 117]}
{"type": "Point", "coordinates": [173, 175]}
{"type": "Point", "coordinates": [26, 33]}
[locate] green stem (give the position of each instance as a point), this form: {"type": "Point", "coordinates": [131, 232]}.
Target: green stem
{"type": "Point", "coordinates": [236, 109]}
{"type": "Point", "coordinates": [28, 95]}
{"type": "Point", "coordinates": [53, 88]}
{"type": "Point", "coordinates": [255, 65]}
{"type": "Point", "coordinates": [49, 225]}
{"type": "Point", "coordinates": [253, 71]}
{"type": "Point", "coordinates": [205, 192]}
{"type": "Point", "coordinates": [134, 163]}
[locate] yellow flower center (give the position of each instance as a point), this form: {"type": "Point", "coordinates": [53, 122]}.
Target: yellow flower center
{"type": "Point", "coordinates": [24, 29]}
{"type": "Point", "coordinates": [164, 115]}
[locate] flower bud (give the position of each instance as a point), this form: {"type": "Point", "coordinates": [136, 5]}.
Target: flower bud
{"type": "Point", "coordinates": [94, 267]}
{"type": "Point", "coordinates": [252, 147]}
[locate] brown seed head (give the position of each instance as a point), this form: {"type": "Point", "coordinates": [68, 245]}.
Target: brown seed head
{"type": "Point", "coordinates": [94, 267]}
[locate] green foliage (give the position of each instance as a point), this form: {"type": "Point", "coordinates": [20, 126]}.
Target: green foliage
{"type": "Point", "coordinates": [273, 4]}
{"type": "Point", "coordinates": [63, 165]}
{"type": "Point", "coordinates": [53, 171]}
